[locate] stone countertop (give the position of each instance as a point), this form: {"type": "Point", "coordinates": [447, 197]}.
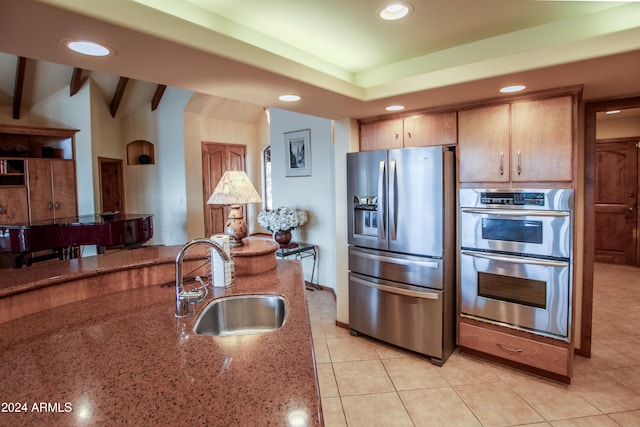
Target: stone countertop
{"type": "Point", "coordinates": [125, 359]}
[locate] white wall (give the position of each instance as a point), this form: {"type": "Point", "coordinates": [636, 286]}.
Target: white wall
{"type": "Point", "coordinates": [314, 194]}
{"type": "Point", "coordinates": [346, 140]}
{"type": "Point", "coordinates": [159, 189]}
{"type": "Point", "coordinates": [617, 128]}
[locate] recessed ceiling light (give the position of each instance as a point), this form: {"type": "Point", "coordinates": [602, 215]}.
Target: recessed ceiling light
{"type": "Point", "coordinates": [613, 112]}
{"type": "Point", "coordinates": [289, 98]}
{"type": "Point", "coordinates": [511, 89]}
{"type": "Point", "coordinates": [85, 47]}
{"type": "Point", "coordinates": [395, 108]}
{"type": "Point", "coordinates": [394, 11]}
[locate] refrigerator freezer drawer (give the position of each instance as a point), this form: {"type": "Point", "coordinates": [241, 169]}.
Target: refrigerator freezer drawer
{"type": "Point", "coordinates": [412, 270]}
{"type": "Point", "coordinates": [405, 316]}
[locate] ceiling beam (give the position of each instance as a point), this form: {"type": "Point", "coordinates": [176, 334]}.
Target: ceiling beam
{"type": "Point", "coordinates": [117, 97]}
{"type": "Point", "coordinates": [18, 88]}
{"type": "Point", "coordinates": [157, 96]}
{"type": "Point", "coordinates": [76, 81]}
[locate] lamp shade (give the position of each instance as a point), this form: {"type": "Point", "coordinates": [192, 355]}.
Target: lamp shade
{"type": "Point", "coordinates": [234, 188]}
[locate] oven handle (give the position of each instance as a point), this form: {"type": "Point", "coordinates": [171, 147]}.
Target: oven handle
{"type": "Point", "coordinates": [397, 291]}
{"type": "Point", "coordinates": [516, 260]}
{"type": "Point", "coordinates": [515, 212]}
{"type": "Point", "coordinates": [399, 261]}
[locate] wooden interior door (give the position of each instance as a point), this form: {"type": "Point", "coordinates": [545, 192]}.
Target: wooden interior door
{"type": "Point", "coordinates": [216, 160]}
{"type": "Point", "coordinates": [616, 197]}
{"type": "Point", "coordinates": [111, 185]}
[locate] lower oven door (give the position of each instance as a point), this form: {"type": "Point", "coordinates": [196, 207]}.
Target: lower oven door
{"type": "Point", "coordinates": [525, 293]}
{"type": "Point", "coordinates": [407, 316]}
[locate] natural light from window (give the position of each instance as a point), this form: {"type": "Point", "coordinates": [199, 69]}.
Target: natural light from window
{"type": "Point", "coordinates": [266, 179]}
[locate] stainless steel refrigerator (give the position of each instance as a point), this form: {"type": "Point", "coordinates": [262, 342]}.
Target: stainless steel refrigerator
{"type": "Point", "coordinates": [401, 214]}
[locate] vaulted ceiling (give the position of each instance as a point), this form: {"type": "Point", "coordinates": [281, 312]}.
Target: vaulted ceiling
{"type": "Point", "coordinates": [336, 54]}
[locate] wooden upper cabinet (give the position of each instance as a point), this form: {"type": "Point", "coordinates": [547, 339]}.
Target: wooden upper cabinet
{"type": "Point", "coordinates": [542, 140]}
{"type": "Point", "coordinates": [483, 144]}
{"type": "Point", "coordinates": [430, 129]}
{"type": "Point", "coordinates": [420, 130]}
{"type": "Point", "coordinates": [382, 135]}
{"type": "Point", "coordinates": [526, 141]}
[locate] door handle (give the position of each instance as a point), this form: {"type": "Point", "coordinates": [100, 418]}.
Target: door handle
{"type": "Point", "coordinates": [381, 200]}
{"type": "Point", "coordinates": [392, 199]}
{"type": "Point", "coordinates": [398, 291]}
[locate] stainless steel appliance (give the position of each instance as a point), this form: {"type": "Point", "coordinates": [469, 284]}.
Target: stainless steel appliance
{"type": "Point", "coordinates": [516, 258]}
{"type": "Point", "coordinates": [402, 248]}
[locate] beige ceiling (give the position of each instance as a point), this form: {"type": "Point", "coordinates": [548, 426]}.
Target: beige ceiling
{"type": "Point", "coordinates": [343, 60]}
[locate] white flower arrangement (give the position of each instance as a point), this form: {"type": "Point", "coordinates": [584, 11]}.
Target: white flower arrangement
{"type": "Point", "coordinates": [282, 219]}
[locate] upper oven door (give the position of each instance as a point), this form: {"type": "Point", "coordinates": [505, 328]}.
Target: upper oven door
{"type": "Point", "coordinates": [523, 231]}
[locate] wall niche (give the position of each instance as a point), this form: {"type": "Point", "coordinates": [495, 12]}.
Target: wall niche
{"type": "Point", "coordinates": [140, 152]}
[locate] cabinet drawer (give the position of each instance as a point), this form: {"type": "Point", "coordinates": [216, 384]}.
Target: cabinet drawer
{"type": "Point", "coordinates": [527, 352]}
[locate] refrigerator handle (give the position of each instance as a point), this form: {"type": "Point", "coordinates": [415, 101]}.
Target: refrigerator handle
{"type": "Point", "coordinates": [392, 200]}
{"type": "Point", "coordinates": [381, 201]}
{"type": "Point", "coordinates": [397, 290]}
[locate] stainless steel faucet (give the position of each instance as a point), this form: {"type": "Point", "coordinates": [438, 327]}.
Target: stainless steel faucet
{"type": "Point", "coordinates": [185, 298]}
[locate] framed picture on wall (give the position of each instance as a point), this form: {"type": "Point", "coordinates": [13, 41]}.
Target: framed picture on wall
{"type": "Point", "coordinates": [298, 152]}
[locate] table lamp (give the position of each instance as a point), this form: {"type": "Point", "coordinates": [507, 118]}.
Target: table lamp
{"type": "Point", "coordinates": [234, 189]}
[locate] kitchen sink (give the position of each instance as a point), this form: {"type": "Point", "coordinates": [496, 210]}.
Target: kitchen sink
{"type": "Point", "coordinates": [241, 314]}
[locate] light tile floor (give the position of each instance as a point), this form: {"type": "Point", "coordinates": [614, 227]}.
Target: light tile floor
{"type": "Point", "coordinates": [364, 382]}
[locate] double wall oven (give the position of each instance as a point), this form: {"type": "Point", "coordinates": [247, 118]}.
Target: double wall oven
{"type": "Point", "coordinates": [516, 258]}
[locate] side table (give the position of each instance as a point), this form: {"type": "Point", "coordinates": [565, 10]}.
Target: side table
{"type": "Point", "coordinates": [301, 251]}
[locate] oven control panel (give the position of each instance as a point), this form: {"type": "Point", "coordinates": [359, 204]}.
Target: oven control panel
{"type": "Point", "coordinates": [512, 198]}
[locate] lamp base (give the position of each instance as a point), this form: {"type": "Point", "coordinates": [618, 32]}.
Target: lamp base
{"type": "Point", "coordinates": [236, 227]}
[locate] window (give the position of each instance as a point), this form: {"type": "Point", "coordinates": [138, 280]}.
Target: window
{"type": "Point", "coordinates": [266, 179]}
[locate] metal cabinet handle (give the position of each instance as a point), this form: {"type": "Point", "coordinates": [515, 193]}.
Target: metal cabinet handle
{"type": "Point", "coordinates": [511, 349]}
{"type": "Point", "coordinates": [409, 134]}
{"type": "Point", "coordinates": [50, 205]}
{"type": "Point", "coordinates": [57, 205]}
{"type": "Point", "coordinates": [501, 163]}
{"type": "Point", "coordinates": [1, 211]}
{"type": "Point", "coordinates": [519, 163]}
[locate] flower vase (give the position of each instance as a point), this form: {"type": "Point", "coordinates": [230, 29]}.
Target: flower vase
{"type": "Point", "coordinates": [282, 237]}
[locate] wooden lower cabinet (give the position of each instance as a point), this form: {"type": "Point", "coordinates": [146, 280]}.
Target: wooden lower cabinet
{"type": "Point", "coordinates": [52, 189]}
{"type": "Point", "coordinates": [540, 357]}
{"type": "Point", "coordinates": [14, 207]}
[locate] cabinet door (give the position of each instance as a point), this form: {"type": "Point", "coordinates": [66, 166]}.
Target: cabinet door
{"type": "Point", "coordinates": [430, 129]}
{"type": "Point", "coordinates": [13, 206]}
{"type": "Point", "coordinates": [64, 188]}
{"type": "Point", "coordinates": [382, 135]}
{"type": "Point", "coordinates": [483, 144]}
{"type": "Point", "coordinates": [40, 189]}
{"type": "Point", "coordinates": [542, 140]}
